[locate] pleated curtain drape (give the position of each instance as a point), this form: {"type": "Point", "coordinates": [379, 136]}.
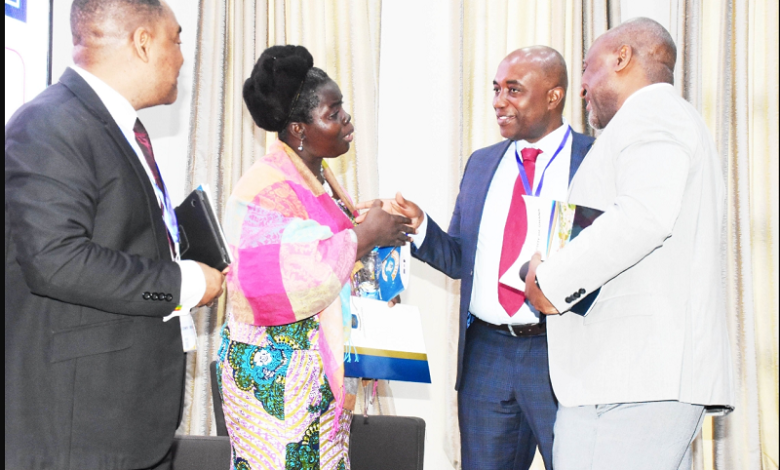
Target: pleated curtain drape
{"type": "Point", "coordinates": [343, 37]}
{"type": "Point", "coordinates": [740, 92]}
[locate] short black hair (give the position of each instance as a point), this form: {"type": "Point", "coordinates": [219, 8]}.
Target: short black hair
{"type": "Point", "coordinates": [86, 14]}
{"type": "Point", "coordinates": [283, 88]}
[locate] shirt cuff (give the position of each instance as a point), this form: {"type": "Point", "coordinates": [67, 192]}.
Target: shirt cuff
{"type": "Point", "coordinates": [419, 237]}
{"type": "Point", "coordinates": [193, 285]}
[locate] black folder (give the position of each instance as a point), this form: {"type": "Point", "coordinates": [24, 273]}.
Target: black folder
{"type": "Point", "coordinates": [201, 237]}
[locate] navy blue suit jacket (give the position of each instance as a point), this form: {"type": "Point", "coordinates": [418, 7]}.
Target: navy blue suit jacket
{"type": "Point", "coordinates": [453, 252]}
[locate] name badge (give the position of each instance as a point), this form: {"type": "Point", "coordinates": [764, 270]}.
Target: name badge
{"type": "Point", "coordinates": [189, 337]}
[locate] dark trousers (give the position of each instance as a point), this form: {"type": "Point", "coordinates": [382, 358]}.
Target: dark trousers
{"type": "Point", "coordinates": [506, 404]}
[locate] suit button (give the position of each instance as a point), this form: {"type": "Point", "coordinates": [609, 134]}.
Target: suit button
{"type": "Point", "coordinates": [168, 297]}
{"type": "Point", "coordinates": [582, 291]}
{"type": "Point", "coordinates": [576, 295]}
{"type": "Point", "coordinates": [155, 296]}
{"type": "Point", "coordinates": [568, 300]}
{"type": "Point", "coordinates": [147, 296]}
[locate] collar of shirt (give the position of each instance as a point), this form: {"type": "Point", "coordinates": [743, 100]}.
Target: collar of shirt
{"type": "Point", "coordinates": [121, 111]}
{"type": "Point", "coordinates": [654, 86]}
{"type": "Point", "coordinates": [117, 105]}
{"type": "Point", "coordinates": [547, 144]}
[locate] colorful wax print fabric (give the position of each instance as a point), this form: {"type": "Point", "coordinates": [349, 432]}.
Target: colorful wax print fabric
{"type": "Point", "coordinates": [293, 252]}
{"type": "Point", "coordinates": [278, 406]}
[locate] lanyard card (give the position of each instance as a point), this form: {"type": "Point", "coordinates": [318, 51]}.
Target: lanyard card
{"type": "Point", "coordinates": [189, 337]}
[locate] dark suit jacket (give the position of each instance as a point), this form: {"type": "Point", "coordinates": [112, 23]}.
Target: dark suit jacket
{"type": "Point", "coordinates": [93, 377]}
{"type": "Point", "coordinates": [453, 252]}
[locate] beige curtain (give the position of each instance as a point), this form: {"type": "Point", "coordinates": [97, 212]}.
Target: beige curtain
{"type": "Point", "coordinates": [740, 91]}
{"type": "Point", "coordinates": [343, 37]}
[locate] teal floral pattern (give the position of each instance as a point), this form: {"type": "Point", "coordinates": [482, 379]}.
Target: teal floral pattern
{"type": "Point", "coordinates": [305, 455]}
{"type": "Point", "coordinates": [263, 369]}
{"type": "Point", "coordinates": [258, 374]}
{"type": "Point", "coordinates": [326, 396]}
{"type": "Point", "coordinates": [241, 464]}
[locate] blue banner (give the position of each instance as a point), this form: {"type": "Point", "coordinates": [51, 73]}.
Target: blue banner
{"type": "Point", "coordinates": [16, 9]}
{"type": "Point", "coordinates": [389, 368]}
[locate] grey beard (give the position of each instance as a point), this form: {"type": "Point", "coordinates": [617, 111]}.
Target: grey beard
{"type": "Point", "coordinates": [594, 122]}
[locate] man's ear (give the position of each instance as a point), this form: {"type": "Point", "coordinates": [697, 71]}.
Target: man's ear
{"type": "Point", "coordinates": [624, 55]}
{"type": "Point", "coordinates": [554, 97]}
{"type": "Point", "coordinates": [142, 43]}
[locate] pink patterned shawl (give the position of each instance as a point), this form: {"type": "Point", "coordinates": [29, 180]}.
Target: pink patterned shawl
{"type": "Point", "coordinates": [293, 255]}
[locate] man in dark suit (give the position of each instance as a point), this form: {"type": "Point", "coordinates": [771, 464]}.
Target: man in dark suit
{"type": "Point", "coordinates": [93, 376]}
{"type": "Point", "coordinates": [505, 402]}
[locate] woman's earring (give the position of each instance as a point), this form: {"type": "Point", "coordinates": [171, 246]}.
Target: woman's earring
{"type": "Point", "coordinates": [300, 146]}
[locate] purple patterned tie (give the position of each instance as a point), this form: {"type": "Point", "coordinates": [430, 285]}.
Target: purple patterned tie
{"type": "Point", "coordinates": [142, 137]}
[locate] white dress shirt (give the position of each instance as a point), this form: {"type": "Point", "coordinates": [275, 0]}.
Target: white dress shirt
{"type": "Point", "coordinates": [193, 282]}
{"type": "Point", "coordinates": [484, 293]}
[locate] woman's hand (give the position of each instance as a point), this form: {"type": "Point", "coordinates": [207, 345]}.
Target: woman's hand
{"type": "Point", "coordinates": [380, 228]}
{"type": "Point", "coordinates": [397, 206]}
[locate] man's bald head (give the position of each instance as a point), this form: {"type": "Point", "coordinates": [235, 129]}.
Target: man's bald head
{"type": "Point", "coordinates": [638, 53]}
{"type": "Point", "coordinates": [652, 45]}
{"type": "Point", "coordinates": [100, 24]}
{"type": "Point", "coordinates": [529, 91]}
{"type": "Point", "coordinates": [548, 61]}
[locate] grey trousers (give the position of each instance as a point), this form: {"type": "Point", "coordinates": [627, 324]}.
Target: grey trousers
{"type": "Point", "coordinates": [627, 436]}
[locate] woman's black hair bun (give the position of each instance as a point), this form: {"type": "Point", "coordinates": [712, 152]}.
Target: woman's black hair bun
{"type": "Point", "coordinates": [276, 79]}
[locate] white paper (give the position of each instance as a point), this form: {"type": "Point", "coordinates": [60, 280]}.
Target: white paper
{"type": "Point", "coordinates": [538, 211]}
{"type": "Point", "coordinates": [379, 326]}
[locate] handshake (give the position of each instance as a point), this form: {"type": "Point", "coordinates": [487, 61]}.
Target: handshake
{"type": "Point", "coordinates": [388, 222]}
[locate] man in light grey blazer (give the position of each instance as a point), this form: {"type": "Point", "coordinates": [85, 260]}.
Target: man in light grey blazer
{"type": "Point", "coordinates": [635, 375]}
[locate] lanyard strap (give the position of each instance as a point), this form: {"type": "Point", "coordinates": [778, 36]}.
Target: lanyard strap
{"type": "Point", "coordinates": [524, 176]}
{"type": "Point", "coordinates": [169, 215]}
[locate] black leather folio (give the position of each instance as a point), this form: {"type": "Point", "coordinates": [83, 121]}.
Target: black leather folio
{"type": "Point", "coordinates": [201, 237]}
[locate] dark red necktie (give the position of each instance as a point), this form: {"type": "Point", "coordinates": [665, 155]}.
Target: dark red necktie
{"type": "Point", "coordinates": [142, 137]}
{"type": "Point", "coordinates": [514, 234]}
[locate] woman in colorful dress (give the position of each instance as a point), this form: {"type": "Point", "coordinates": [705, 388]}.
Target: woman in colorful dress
{"type": "Point", "coordinates": [291, 230]}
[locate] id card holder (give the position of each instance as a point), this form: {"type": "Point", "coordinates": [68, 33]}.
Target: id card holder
{"type": "Point", "coordinates": [189, 337]}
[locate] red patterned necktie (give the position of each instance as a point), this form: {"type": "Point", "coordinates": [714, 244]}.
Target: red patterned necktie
{"type": "Point", "coordinates": [142, 137]}
{"type": "Point", "coordinates": [514, 234]}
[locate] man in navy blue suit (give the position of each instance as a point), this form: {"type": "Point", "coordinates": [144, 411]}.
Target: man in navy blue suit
{"type": "Point", "coordinates": [506, 404]}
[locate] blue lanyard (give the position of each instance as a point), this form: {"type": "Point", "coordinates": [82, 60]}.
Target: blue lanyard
{"type": "Point", "coordinates": [169, 215]}
{"type": "Point", "coordinates": [524, 176]}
